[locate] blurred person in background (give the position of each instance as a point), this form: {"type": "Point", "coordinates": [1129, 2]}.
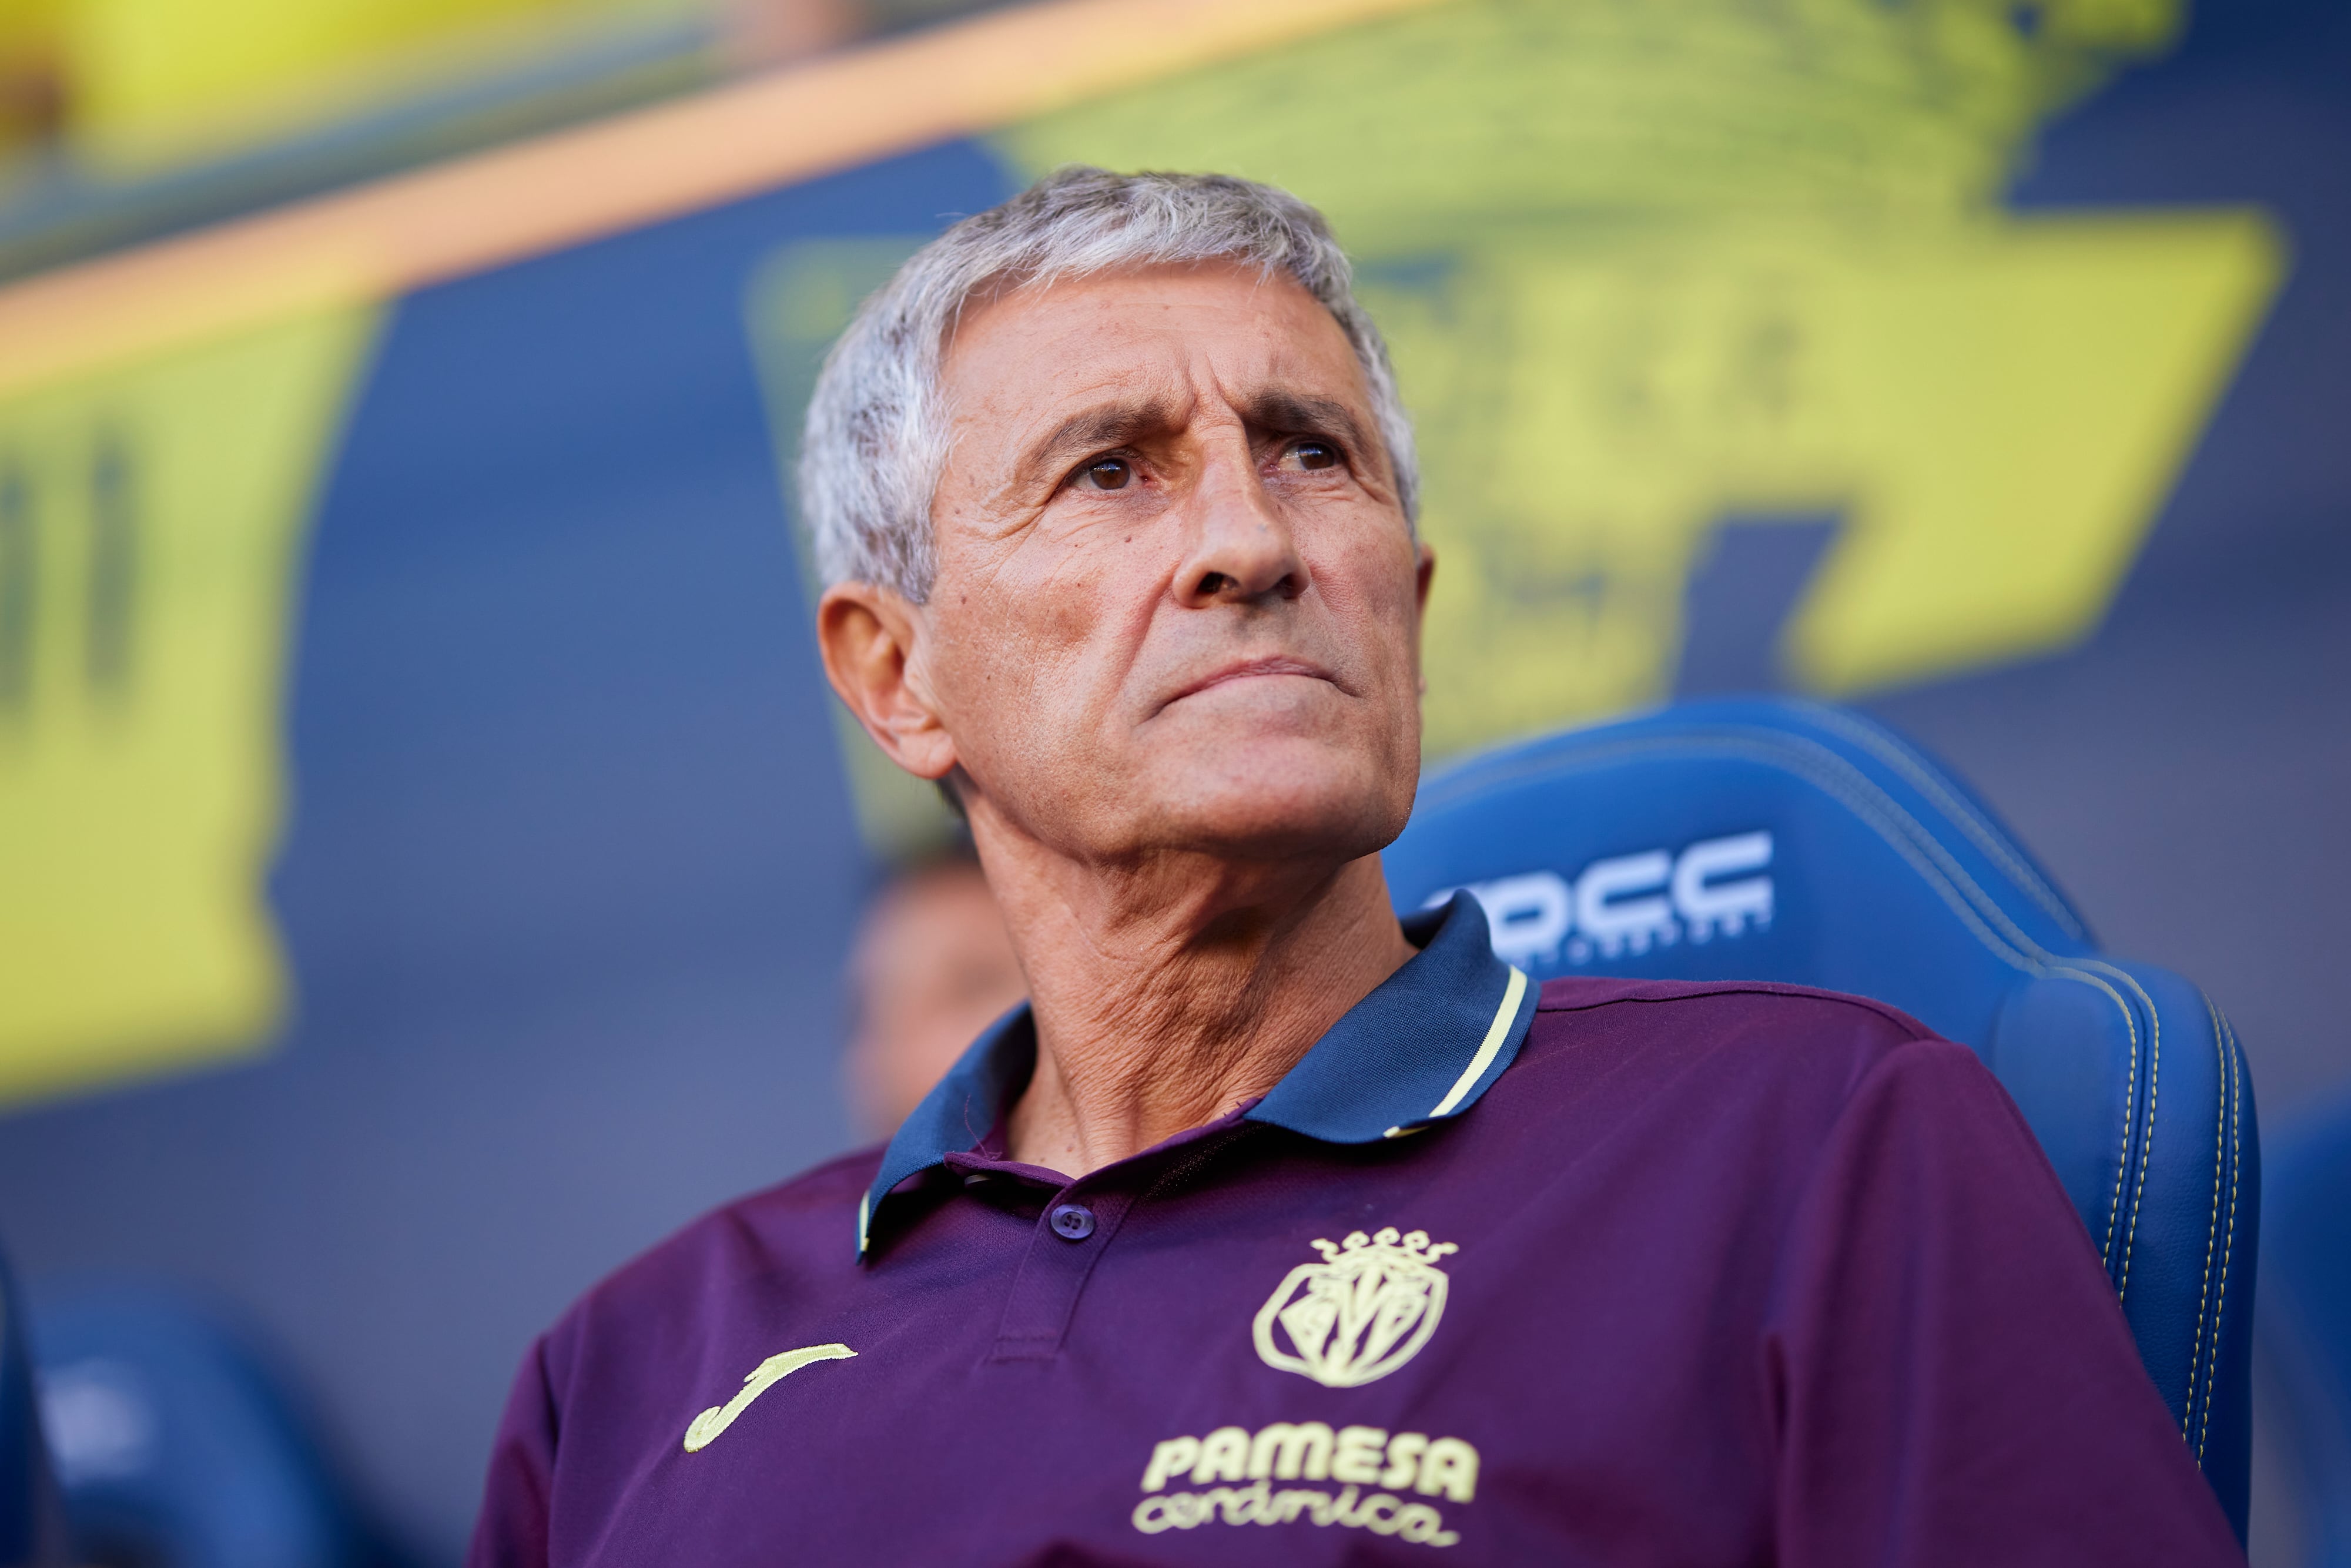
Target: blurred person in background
{"type": "Point", "coordinates": [1276, 1228]}
{"type": "Point", "coordinates": [932, 967]}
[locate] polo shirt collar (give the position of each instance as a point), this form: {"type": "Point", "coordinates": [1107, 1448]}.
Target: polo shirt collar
{"type": "Point", "coordinates": [1421, 1049]}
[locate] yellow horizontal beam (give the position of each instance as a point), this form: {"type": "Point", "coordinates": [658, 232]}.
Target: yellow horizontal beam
{"type": "Point", "coordinates": [384, 238]}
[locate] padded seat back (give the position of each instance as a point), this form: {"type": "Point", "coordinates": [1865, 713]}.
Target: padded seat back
{"type": "Point", "coordinates": [174, 1442]}
{"type": "Point", "coordinates": [1773, 840]}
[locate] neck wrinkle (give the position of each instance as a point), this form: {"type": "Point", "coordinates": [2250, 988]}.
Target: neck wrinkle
{"type": "Point", "coordinates": [1153, 1017]}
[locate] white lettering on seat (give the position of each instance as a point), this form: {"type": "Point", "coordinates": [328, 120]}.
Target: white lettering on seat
{"type": "Point", "coordinates": [1629, 904]}
{"type": "Point", "coordinates": [1715, 907]}
{"type": "Point", "coordinates": [1614, 919]}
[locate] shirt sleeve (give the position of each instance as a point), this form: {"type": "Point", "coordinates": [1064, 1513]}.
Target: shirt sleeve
{"type": "Point", "coordinates": [512, 1532]}
{"type": "Point", "coordinates": [1952, 1377]}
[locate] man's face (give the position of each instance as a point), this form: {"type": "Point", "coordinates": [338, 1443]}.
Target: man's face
{"type": "Point", "coordinates": [1177, 606]}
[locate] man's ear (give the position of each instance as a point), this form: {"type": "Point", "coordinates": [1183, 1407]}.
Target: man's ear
{"type": "Point", "coordinates": [870, 640]}
{"type": "Point", "coordinates": [1424, 575]}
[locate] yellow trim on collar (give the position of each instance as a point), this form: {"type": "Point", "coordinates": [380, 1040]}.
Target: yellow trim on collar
{"type": "Point", "coordinates": [1495, 1034]}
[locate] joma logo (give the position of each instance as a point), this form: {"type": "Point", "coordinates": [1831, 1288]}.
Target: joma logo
{"type": "Point", "coordinates": [1629, 903]}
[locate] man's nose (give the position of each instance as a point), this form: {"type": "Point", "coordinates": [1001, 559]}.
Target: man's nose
{"type": "Point", "coordinates": [1241, 549]}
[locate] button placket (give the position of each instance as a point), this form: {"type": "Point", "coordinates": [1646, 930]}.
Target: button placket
{"type": "Point", "coordinates": [1072, 1236]}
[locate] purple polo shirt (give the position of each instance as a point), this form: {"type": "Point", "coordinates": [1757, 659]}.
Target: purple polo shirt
{"type": "Point", "coordinates": [1617, 1272]}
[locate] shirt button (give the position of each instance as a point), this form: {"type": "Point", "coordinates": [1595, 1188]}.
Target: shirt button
{"type": "Point", "coordinates": [1074, 1222]}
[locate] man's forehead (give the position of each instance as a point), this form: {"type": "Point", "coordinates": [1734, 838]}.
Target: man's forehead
{"type": "Point", "coordinates": [1116, 356]}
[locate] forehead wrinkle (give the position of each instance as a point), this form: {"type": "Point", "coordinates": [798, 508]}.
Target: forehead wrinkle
{"type": "Point", "coordinates": [1111, 424]}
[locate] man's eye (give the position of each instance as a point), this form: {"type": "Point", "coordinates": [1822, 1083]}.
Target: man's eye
{"type": "Point", "coordinates": [1315, 454]}
{"type": "Point", "coordinates": [1106, 473]}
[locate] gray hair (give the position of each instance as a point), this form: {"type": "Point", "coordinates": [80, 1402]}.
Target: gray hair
{"type": "Point", "coordinates": [876, 440]}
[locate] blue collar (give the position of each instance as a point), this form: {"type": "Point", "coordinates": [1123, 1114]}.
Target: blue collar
{"type": "Point", "coordinates": [1420, 1049]}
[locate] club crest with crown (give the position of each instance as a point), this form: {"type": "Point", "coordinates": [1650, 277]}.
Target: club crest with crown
{"type": "Point", "coordinates": [1356, 1317]}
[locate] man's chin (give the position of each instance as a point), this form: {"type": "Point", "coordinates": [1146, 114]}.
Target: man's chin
{"type": "Point", "coordinates": [1264, 810]}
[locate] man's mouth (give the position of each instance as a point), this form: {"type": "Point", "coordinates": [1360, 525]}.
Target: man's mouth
{"type": "Point", "coordinates": [1253, 669]}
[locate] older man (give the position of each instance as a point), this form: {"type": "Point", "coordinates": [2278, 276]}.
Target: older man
{"type": "Point", "coordinates": [1273, 1229]}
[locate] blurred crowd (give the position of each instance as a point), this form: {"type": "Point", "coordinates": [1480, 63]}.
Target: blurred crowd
{"type": "Point", "coordinates": [933, 965]}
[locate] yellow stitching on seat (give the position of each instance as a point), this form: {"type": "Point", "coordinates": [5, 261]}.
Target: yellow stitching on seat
{"type": "Point", "coordinates": [2146, 1145]}
{"type": "Point", "coordinates": [2229, 1247]}
{"type": "Point", "coordinates": [2219, 1153]}
{"type": "Point", "coordinates": [2154, 1087]}
{"type": "Point", "coordinates": [2212, 1230]}
{"type": "Point", "coordinates": [2122, 1155]}
{"type": "Point", "coordinates": [2035, 960]}
{"type": "Point", "coordinates": [1946, 861]}
{"type": "Point", "coordinates": [1946, 876]}
{"type": "Point", "coordinates": [1923, 777]}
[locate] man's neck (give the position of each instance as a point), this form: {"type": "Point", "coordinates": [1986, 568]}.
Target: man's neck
{"type": "Point", "coordinates": [1155, 1015]}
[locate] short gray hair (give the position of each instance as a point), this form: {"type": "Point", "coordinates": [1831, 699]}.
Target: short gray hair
{"type": "Point", "coordinates": [876, 440]}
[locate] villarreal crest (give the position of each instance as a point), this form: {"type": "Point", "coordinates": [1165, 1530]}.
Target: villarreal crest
{"type": "Point", "coordinates": [1356, 1317]}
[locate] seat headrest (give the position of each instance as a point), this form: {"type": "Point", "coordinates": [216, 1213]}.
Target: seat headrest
{"type": "Point", "coordinates": [1755, 839]}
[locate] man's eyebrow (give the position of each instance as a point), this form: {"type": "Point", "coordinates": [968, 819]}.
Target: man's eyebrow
{"type": "Point", "coordinates": [1123, 421]}
{"type": "Point", "coordinates": [1301, 414]}
{"type": "Point", "coordinates": [1091, 430]}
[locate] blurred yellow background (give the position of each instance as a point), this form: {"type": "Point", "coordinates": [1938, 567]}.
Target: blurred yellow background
{"type": "Point", "coordinates": [1653, 275]}
{"type": "Point", "coordinates": [137, 84]}
{"type": "Point", "coordinates": [1646, 268]}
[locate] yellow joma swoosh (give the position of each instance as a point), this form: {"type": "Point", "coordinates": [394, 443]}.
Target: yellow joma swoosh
{"type": "Point", "coordinates": [773, 1370]}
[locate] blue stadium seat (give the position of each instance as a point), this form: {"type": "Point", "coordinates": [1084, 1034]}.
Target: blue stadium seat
{"type": "Point", "coordinates": [2305, 1325]}
{"type": "Point", "coordinates": [32, 1526]}
{"type": "Point", "coordinates": [1762, 839]}
{"type": "Point", "coordinates": [175, 1443]}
